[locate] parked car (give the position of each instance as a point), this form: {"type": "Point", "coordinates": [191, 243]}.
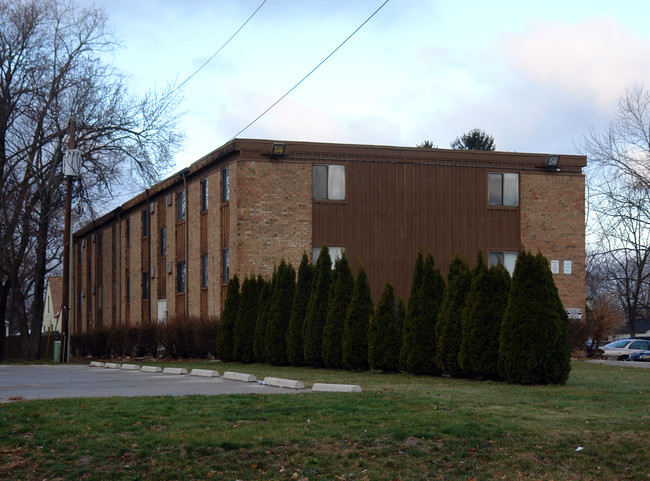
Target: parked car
{"type": "Point", "coordinates": [620, 350]}
{"type": "Point", "coordinates": [643, 356]}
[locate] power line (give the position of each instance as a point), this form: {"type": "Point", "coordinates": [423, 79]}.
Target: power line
{"type": "Point", "coordinates": [217, 52]}
{"type": "Point", "coordinates": [311, 72]}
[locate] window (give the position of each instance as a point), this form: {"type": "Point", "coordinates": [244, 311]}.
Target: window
{"type": "Point", "coordinates": [128, 288]}
{"type": "Point", "coordinates": [163, 241]}
{"type": "Point", "coordinates": [204, 270]}
{"type": "Point", "coordinates": [225, 184]}
{"type": "Point", "coordinates": [225, 266]}
{"type": "Point", "coordinates": [79, 300]}
{"type": "Point", "coordinates": [328, 182]}
{"type": "Point", "coordinates": [204, 194]}
{"type": "Point", "coordinates": [145, 285]}
{"type": "Point", "coordinates": [128, 231]}
{"type": "Point", "coordinates": [503, 189]}
{"type": "Point", "coordinates": [508, 260]}
{"type": "Point", "coordinates": [180, 276]}
{"type": "Point", "coordinates": [640, 345]}
{"type": "Point", "coordinates": [100, 297]}
{"type": "Point", "coordinates": [180, 206]}
{"type": "Point", "coordinates": [335, 253]}
{"type": "Point", "coordinates": [100, 244]}
{"type": "Point", "coordinates": [114, 237]}
{"type": "Point", "coordinates": [145, 223]}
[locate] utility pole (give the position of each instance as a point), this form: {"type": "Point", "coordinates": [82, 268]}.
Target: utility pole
{"type": "Point", "coordinates": [71, 164]}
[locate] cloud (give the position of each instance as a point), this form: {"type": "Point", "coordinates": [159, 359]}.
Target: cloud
{"type": "Point", "coordinates": [594, 60]}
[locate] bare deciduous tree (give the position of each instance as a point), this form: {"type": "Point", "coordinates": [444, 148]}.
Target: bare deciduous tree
{"type": "Point", "coordinates": [52, 69]}
{"type": "Point", "coordinates": [619, 204]}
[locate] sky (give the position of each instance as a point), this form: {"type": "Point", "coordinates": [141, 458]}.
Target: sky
{"type": "Point", "coordinates": [535, 75]}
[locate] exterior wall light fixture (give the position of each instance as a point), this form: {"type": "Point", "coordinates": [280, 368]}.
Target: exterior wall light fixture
{"type": "Point", "coordinates": [552, 161]}
{"type": "Point", "coordinates": [278, 150]}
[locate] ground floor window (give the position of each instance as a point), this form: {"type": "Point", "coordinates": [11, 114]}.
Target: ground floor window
{"type": "Point", "coordinates": [335, 253]}
{"type": "Point", "coordinates": [508, 259]}
{"type": "Point", "coordinates": [180, 277]}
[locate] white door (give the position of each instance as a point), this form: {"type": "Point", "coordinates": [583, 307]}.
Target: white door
{"type": "Point", "coordinates": [162, 310]}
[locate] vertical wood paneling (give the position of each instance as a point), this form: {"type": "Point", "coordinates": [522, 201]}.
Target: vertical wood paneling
{"type": "Point", "coordinates": [393, 209]}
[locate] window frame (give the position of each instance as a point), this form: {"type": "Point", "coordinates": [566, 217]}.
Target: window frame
{"type": "Point", "coordinates": [328, 192]}
{"type": "Point", "coordinates": [181, 277]}
{"type": "Point", "coordinates": [163, 241]}
{"type": "Point", "coordinates": [225, 265]}
{"type": "Point", "coordinates": [504, 187]}
{"type": "Point", "coordinates": [336, 252]}
{"type": "Point", "coordinates": [146, 224]}
{"type": "Point", "coordinates": [205, 204]}
{"type": "Point", "coordinates": [225, 184]}
{"type": "Point", "coordinates": [181, 207]}
{"type": "Point", "coordinates": [204, 271]}
{"type": "Point", "coordinates": [506, 259]}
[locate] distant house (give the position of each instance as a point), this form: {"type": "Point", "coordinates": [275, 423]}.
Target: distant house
{"type": "Point", "coordinates": [171, 250]}
{"type": "Point", "coordinates": [52, 310]}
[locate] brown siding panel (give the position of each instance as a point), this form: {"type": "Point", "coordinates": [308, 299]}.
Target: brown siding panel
{"type": "Point", "coordinates": [397, 208]}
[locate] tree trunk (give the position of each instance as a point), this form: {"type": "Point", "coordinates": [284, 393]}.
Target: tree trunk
{"type": "Point", "coordinates": [4, 295]}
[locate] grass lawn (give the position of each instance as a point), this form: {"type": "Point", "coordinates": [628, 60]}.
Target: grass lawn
{"type": "Point", "coordinates": [401, 427]}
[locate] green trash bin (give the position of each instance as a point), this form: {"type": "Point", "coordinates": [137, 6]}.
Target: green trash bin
{"type": "Point", "coordinates": [57, 351]}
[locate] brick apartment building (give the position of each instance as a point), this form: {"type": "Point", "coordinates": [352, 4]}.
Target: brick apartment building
{"type": "Point", "coordinates": [171, 250]}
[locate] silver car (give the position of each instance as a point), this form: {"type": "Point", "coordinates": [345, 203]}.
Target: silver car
{"type": "Point", "coordinates": [620, 350]}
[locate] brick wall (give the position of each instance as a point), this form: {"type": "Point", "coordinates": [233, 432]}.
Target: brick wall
{"type": "Point", "coordinates": [552, 210]}
{"type": "Point", "coordinates": [272, 215]}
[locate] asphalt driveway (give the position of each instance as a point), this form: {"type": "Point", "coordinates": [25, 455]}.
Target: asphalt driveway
{"type": "Point", "coordinates": [18, 382]}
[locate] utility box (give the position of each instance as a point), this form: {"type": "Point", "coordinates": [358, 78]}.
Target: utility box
{"type": "Point", "coordinates": [57, 351]}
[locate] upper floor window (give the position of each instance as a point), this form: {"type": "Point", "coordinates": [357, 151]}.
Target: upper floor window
{"type": "Point", "coordinates": [204, 270]}
{"type": "Point", "coordinates": [163, 241]}
{"type": "Point", "coordinates": [204, 194]}
{"type": "Point", "coordinates": [328, 182]}
{"type": "Point", "coordinates": [145, 223]}
{"type": "Point", "coordinates": [225, 266]}
{"type": "Point", "coordinates": [145, 285]}
{"type": "Point", "coordinates": [180, 276]}
{"type": "Point", "coordinates": [128, 230]}
{"type": "Point", "coordinates": [114, 237]}
{"type": "Point", "coordinates": [225, 184]}
{"type": "Point", "coordinates": [507, 259]}
{"type": "Point", "coordinates": [100, 244]}
{"type": "Point", "coordinates": [503, 189]}
{"type": "Point", "coordinates": [180, 206]}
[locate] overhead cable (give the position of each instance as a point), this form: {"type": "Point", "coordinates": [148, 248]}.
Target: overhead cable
{"type": "Point", "coordinates": [311, 72]}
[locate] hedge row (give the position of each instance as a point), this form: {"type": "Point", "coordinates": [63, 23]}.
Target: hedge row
{"type": "Point", "coordinates": [189, 337]}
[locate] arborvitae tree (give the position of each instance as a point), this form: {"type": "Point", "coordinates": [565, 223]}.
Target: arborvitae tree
{"type": "Point", "coordinates": [246, 321]}
{"type": "Point", "coordinates": [482, 317]}
{"type": "Point", "coordinates": [449, 326]}
{"type": "Point", "coordinates": [534, 345]}
{"type": "Point", "coordinates": [385, 332]}
{"type": "Point", "coordinates": [357, 321]}
{"type": "Point", "coordinates": [263, 307]}
{"type": "Point", "coordinates": [295, 352]}
{"type": "Point", "coordinates": [279, 313]}
{"type": "Point", "coordinates": [420, 322]}
{"type": "Point", "coordinates": [225, 337]}
{"type": "Point", "coordinates": [340, 296]}
{"type": "Point", "coordinates": [416, 282]}
{"type": "Point", "coordinates": [312, 333]}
